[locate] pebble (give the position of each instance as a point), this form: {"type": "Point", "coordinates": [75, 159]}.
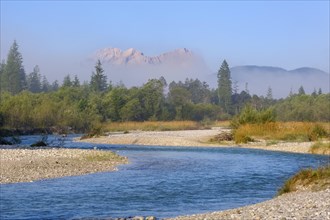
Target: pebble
{"type": "Point", "coordinates": [295, 205]}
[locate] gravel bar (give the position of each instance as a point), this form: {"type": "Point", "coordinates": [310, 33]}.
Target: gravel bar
{"type": "Point", "coordinates": [26, 165]}
{"type": "Point", "coordinates": [296, 205]}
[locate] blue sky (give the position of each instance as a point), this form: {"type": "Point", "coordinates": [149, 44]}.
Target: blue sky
{"type": "Point", "coordinates": [59, 35]}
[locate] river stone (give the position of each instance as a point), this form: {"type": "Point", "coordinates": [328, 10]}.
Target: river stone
{"type": "Point", "coordinates": [138, 218]}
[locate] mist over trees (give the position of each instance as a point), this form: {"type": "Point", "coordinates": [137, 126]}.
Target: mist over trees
{"type": "Point", "coordinates": [30, 101]}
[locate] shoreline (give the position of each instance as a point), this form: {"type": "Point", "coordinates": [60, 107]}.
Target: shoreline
{"type": "Point", "coordinates": [28, 165]}
{"type": "Point", "coordinates": [47, 163]}
{"type": "Point", "coordinates": [192, 138]}
{"type": "Point", "coordinates": [294, 205]}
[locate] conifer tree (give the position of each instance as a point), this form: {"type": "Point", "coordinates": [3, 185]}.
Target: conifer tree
{"type": "Point", "coordinates": [224, 87]}
{"type": "Point", "coordinates": [98, 80]}
{"type": "Point", "coordinates": [34, 80]}
{"type": "Point", "coordinates": [13, 76]}
{"type": "Point", "coordinates": [67, 81]}
{"type": "Point", "coordinates": [301, 91]}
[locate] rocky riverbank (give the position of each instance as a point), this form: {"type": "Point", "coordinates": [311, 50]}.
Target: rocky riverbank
{"type": "Point", "coordinates": [296, 205]}
{"type": "Point", "coordinates": [26, 165]}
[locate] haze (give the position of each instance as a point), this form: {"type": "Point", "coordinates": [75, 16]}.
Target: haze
{"type": "Point", "coordinates": [60, 36]}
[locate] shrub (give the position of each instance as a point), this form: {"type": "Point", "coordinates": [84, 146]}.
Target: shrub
{"type": "Point", "coordinates": [317, 132]}
{"type": "Point", "coordinates": [316, 179]}
{"type": "Point", "coordinates": [249, 115]}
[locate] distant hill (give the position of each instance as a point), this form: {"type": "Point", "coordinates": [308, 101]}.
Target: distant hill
{"type": "Point", "coordinates": [282, 81]}
{"type": "Point", "coordinates": [133, 68]}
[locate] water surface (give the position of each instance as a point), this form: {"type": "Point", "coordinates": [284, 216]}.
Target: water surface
{"type": "Point", "coordinates": [159, 181]}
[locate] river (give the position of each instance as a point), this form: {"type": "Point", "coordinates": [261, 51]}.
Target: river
{"type": "Point", "coordinates": [159, 181]}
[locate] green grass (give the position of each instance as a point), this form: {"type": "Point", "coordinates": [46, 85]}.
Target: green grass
{"type": "Point", "coordinates": [320, 148]}
{"type": "Point", "coordinates": [317, 179]}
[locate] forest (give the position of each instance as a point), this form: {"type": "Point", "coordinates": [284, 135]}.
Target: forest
{"type": "Point", "coordinates": [29, 101]}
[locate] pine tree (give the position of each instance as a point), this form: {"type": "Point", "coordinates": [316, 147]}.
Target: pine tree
{"type": "Point", "coordinates": [34, 80]}
{"type": "Point", "coordinates": [301, 91]}
{"type": "Point", "coordinates": [98, 80]}
{"type": "Point", "coordinates": [269, 94]}
{"type": "Point", "coordinates": [13, 76]}
{"type": "Point", "coordinates": [45, 86]}
{"type": "Point", "coordinates": [224, 87]}
{"type": "Point", "coordinates": [55, 86]}
{"type": "Point", "coordinates": [76, 82]}
{"type": "Point", "coordinates": [67, 81]}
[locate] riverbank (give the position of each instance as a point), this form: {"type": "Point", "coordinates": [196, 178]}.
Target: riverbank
{"type": "Point", "coordinates": [295, 205]}
{"type": "Point", "coordinates": [26, 165]}
{"type": "Point", "coordinates": [197, 138]}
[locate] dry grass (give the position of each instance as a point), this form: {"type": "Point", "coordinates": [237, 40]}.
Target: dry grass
{"type": "Point", "coordinates": [318, 179]}
{"type": "Point", "coordinates": [225, 124]}
{"type": "Point", "coordinates": [320, 148]}
{"type": "Point", "coordinates": [286, 131]}
{"type": "Point", "coordinates": [152, 126]}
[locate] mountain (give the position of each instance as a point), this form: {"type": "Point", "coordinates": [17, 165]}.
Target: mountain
{"type": "Point", "coordinates": [132, 56]}
{"type": "Point", "coordinates": [134, 68]}
{"type": "Point", "coordinates": [257, 79]}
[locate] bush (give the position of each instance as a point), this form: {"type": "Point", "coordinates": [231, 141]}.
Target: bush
{"type": "Point", "coordinates": [316, 179]}
{"type": "Point", "coordinates": [242, 138]}
{"type": "Point", "coordinates": [317, 132]}
{"type": "Point", "coordinates": [249, 115]}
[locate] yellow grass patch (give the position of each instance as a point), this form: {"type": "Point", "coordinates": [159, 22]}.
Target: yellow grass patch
{"type": "Point", "coordinates": [152, 126]}
{"type": "Point", "coordinates": [287, 131]}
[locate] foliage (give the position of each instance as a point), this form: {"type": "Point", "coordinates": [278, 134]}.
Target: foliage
{"type": "Point", "coordinates": [99, 79]}
{"type": "Point", "coordinates": [304, 108]}
{"type": "Point", "coordinates": [250, 115]}
{"type": "Point", "coordinates": [13, 74]}
{"type": "Point", "coordinates": [316, 179]}
{"type": "Point", "coordinates": [224, 87]}
{"type": "Point", "coordinates": [32, 102]}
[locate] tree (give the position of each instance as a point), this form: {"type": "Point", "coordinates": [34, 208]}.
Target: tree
{"type": "Point", "coordinates": [34, 80]}
{"type": "Point", "coordinates": [320, 91]}
{"type": "Point", "coordinates": [269, 95]}
{"type": "Point", "coordinates": [2, 69]}
{"type": "Point", "coordinates": [178, 97]}
{"type": "Point", "coordinates": [45, 86]}
{"type": "Point", "coordinates": [67, 81]}
{"type": "Point", "coordinates": [98, 79]}
{"type": "Point", "coordinates": [55, 86]}
{"type": "Point", "coordinates": [152, 98]}
{"type": "Point", "coordinates": [13, 76]}
{"type": "Point", "coordinates": [76, 82]}
{"type": "Point", "coordinates": [301, 91]}
{"type": "Point", "coordinates": [224, 87]}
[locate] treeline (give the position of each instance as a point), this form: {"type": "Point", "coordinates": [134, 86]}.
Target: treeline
{"type": "Point", "coordinates": [31, 102]}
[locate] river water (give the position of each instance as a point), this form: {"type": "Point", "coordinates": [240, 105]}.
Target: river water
{"type": "Point", "coordinates": [159, 181]}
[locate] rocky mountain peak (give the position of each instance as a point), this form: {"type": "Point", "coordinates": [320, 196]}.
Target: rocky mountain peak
{"type": "Point", "coordinates": [132, 56]}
